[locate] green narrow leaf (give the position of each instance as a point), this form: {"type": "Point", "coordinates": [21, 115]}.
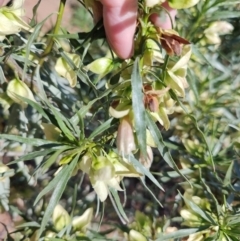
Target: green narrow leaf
{"type": "Point", "coordinates": [29, 224]}
{"type": "Point", "coordinates": [51, 184]}
{"type": "Point", "coordinates": [118, 204]}
{"type": "Point", "coordinates": [55, 239]}
{"type": "Point", "coordinates": [199, 211]}
{"type": "Point", "coordinates": [144, 171]}
{"type": "Point", "coordinates": [224, 15]}
{"type": "Point", "coordinates": [35, 106]}
{"type": "Point", "coordinates": [217, 206]}
{"type": "Point", "coordinates": [199, 55]}
{"type": "Point", "coordinates": [32, 155]}
{"type": "Point", "coordinates": [2, 76]}
{"type": "Point", "coordinates": [138, 107]}
{"type": "Point", "coordinates": [27, 140]}
{"type": "Point", "coordinates": [58, 191]}
{"type": "Point", "coordinates": [191, 78]}
{"type": "Point", "coordinates": [233, 220]}
{"type": "Point", "coordinates": [157, 137]}
{"type": "Point", "coordinates": [149, 190]}
{"type": "Point", "coordinates": [225, 3]}
{"type": "Point", "coordinates": [194, 120]}
{"type": "Point", "coordinates": [179, 234]}
{"type": "Point", "coordinates": [30, 41]}
{"type": "Point", "coordinates": [61, 123]}
{"type": "Point", "coordinates": [53, 158]}
{"type": "Point", "coordinates": [228, 176]}
{"type": "Point", "coordinates": [103, 127]}
{"type": "Point", "coordinates": [83, 111]}
{"type": "Point", "coordinates": [41, 91]}
{"type": "Point", "coordinates": [66, 121]}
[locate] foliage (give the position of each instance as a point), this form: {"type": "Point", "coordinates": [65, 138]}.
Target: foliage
{"type": "Point", "coordinates": [149, 143]}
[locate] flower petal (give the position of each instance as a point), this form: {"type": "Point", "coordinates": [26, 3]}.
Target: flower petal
{"type": "Point", "coordinates": [101, 189]}
{"type": "Point", "coordinates": [65, 70]}
{"type": "Point", "coordinates": [182, 62]}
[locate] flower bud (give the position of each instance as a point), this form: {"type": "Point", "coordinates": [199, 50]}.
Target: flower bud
{"type": "Point", "coordinates": [17, 87]}
{"type": "Point", "coordinates": [82, 222]}
{"type": "Point", "coordinates": [85, 163]}
{"type": "Point", "coordinates": [60, 218]}
{"type": "Point", "coordinates": [101, 66]}
{"type": "Point", "coordinates": [10, 19]}
{"type": "Point", "coordinates": [102, 170]}
{"type": "Point", "coordinates": [63, 68]}
{"type": "Point", "coordinates": [125, 137]}
{"type": "Point", "coordinates": [182, 4]}
{"type": "Point", "coordinates": [147, 161]}
{"type": "Point", "coordinates": [152, 53]}
{"type": "Point", "coordinates": [136, 236]}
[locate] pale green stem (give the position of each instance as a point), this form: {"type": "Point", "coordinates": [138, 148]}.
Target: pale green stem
{"type": "Point", "coordinates": [50, 41]}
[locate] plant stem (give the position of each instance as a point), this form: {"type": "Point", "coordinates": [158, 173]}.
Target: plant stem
{"type": "Point", "coordinates": [50, 41]}
{"type": "Point", "coordinates": [165, 67]}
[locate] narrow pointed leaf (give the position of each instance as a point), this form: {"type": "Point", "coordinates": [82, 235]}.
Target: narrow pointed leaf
{"type": "Point", "coordinates": [32, 155]}
{"type": "Point", "coordinates": [157, 137]}
{"type": "Point", "coordinates": [228, 177]}
{"type": "Point", "coordinates": [138, 107]}
{"type": "Point", "coordinates": [58, 191]}
{"type": "Point", "coordinates": [103, 127]}
{"type": "Point", "coordinates": [27, 140]}
{"type": "Point", "coordinates": [118, 203]}
{"type": "Point", "coordinates": [199, 211]}
{"type": "Point", "coordinates": [179, 234]}
{"type": "Point", "coordinates": [144, 171]}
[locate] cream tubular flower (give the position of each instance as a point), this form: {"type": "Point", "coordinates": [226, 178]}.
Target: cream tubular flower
{"type": "Point", "coordinates": [18, 88]}
{"type": "Point", "coordinates": [11, 19]}
{"type": "Point", "coordinates": [147, 161]}
{"type": "Point", "coordinates": [102, 175]}
{"type": "Point", "coordinates": [136, 236]}
{"type": "Point", "coordinates": [176, 74]}
{"type": "Point", "coordinates": [64, 69]}
{"type": "Point", "coordinates": [152, 53]}
{"type": "Point", "coordinates": [125, 137]}
{"type": "Point", "coordinates": [60, 217]}
{"type": "Point", "coordinates": [82, 222]}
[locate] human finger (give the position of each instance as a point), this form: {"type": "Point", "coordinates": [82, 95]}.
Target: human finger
{"type": "Point", "coordinates": [164, 20]}
{"type": "Point", "coordinates": [120, 19]}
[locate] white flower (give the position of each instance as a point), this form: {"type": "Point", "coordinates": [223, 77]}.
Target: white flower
{"type": "Point", "coordinates": [176, 75]}
{"type": "Point", "coordinates": [11, 19]}
{"type": "Point", "coordinates": [18, 88]}
{"type": "Point", "coordinates": [64, 69]}
{"type": "Point", "coordinates": [151, 3]}
{"type": "Point", "coordinates": [136, 236]}
{"type": "Point", "coordinates": [215, 29]}
{"type": "Point", "coordinates": [106, 171]}
{"type": "Point", "coordinates": [60, 217]}
{"type": "Point", "coordinates": [125, 137]}
{"type": "Point", "coordinates": [81, 223]}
